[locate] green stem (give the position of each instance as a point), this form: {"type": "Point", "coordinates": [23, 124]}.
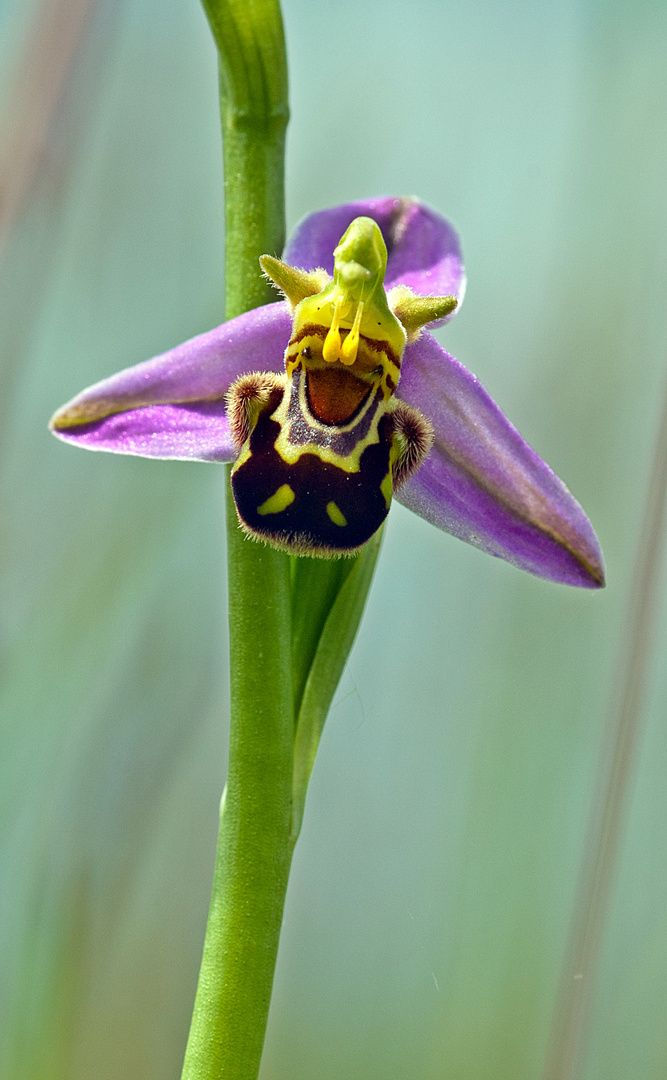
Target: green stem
{"type": "Point", "coordinates": [254, 847]}
{"type": "Point", "coordinates": [254, 112]}
{"type": "Point", "coordinates": [292, 622]}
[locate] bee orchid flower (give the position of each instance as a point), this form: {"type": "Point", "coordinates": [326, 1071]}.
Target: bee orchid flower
{"type": "Point", "coordinates": [336, 398]}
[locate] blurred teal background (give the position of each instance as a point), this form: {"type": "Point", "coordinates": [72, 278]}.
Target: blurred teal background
{"type": "Point", "coordinates": [435, 877]}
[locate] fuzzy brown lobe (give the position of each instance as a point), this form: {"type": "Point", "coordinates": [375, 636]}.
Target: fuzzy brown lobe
{"type": "Point", "coordinates": [414, 435]}
{"type": "Point", "coordinates": [246, 398]}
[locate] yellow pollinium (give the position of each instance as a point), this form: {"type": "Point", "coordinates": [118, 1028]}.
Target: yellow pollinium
{"type": "Point", "coordinates": [350, 346]}
{"type": "Point", "coordinates": [346, 349]}
{"type": "Point", "coordinates": [332, 345]}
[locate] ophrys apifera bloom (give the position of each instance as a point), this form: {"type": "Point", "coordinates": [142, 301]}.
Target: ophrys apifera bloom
{"type": "Point", "coordinates": [337, 398]}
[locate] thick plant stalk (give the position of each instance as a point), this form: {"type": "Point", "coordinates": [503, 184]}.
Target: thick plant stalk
{"type": "Point", "coordinates": [254, 112]}
{"type": "Point", "coordinates": [292, 621]}
{"type": "Point", "coordinates": [254, 848]}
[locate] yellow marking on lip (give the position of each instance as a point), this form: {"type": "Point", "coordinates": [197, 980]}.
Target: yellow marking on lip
{"type": "Point", "coordinates": [386, 487]}
{"type": "Point", "coordinates": [348, 462]}
{"type": "Point", "coordinates": [279, 501]}
{"type": "Point", "coordinates": [336, 515]}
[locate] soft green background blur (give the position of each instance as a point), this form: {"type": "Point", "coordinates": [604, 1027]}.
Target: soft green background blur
{"type": "Point", "coordinates": [434, 880]}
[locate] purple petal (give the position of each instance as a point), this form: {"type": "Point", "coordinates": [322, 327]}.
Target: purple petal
{"type": "Point", "coordinates": [424, 250]}
{"type": "Point", "coordinates": [484, 484]}
{"type": "Point", "coordinates": [199, 370]}
{"type": "Point", "coordinates": [192, 432]}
